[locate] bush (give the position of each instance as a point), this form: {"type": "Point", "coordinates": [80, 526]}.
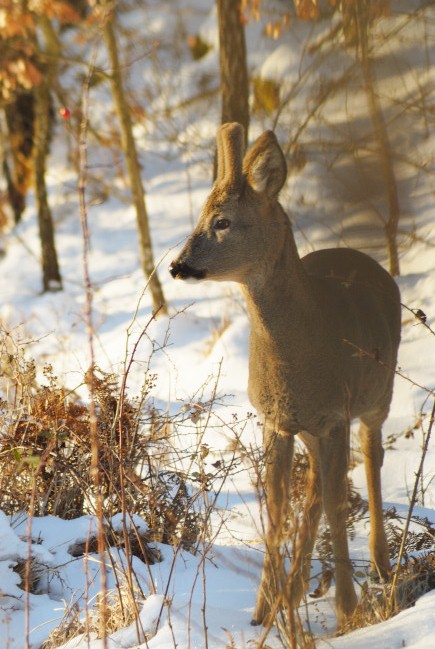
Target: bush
{"type": "Point", "coordinates": [46, 454]}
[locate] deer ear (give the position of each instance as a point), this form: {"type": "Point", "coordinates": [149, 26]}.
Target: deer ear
{"type": "Point", "coordinates": [264, 165]}
{"type": "Point", "coordinates": [231, 146]}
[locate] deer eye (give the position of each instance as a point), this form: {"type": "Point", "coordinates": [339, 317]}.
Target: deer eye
{"type": "Point", "coordinates": [222, 224]}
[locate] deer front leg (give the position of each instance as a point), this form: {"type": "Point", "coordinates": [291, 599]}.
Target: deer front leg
{"type": "Point", "coordinates": [301, 565]}
{"type": "Point", "coordinates": [278, 451]}
{"type": "Point", "coordinates": [333, 464]}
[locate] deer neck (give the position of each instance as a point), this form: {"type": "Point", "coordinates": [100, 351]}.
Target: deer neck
{"type": "Point", "coordinates": [279, 293]}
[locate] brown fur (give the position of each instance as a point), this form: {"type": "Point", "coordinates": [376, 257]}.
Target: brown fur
{"type": "Point", "coordinates": [325, 330]}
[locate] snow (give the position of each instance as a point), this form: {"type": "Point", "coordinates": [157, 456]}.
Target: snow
{"type": "Point", "coordinates": [202, 346]}
{"type": "Point", "coordinates": [413, 628]}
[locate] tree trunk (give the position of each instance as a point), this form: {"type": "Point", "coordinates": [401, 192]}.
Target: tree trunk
{"type": "Point", "coordinates": [20, 122]}
{"type": "Point", "coordinates": [51, 279]}
{"type": "Point", "coordinates": [381, 136]}
{"type": "Point", "coordinates": [233, 67]}
{"type": "Point", "coordinates": [133, 169]}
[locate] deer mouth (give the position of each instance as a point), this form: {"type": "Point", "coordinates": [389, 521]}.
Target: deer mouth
{"type": "Point", "coordinates": [180, 270]}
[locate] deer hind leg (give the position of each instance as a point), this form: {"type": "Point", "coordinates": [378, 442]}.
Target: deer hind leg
{"type": "Point", "coordinates": [278, 455]}
{"type": "Point", "coordinates": [301, 564]}
{"type": "Point", "coordinates": [333, 455]}
{"type": "Point", "coordinates": [371, 447]}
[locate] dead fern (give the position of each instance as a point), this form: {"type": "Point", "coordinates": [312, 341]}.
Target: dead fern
{"type": "Point", "coordinates": [45, 450]}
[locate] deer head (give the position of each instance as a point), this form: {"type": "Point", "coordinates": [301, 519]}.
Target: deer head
{"type": "Point", "coordinates": [241, 220]}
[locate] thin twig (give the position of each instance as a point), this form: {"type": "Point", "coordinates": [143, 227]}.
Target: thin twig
{"type": "Point", "coordinates": [418, 475]}
{"type": "Point", "coordinates": [93, 424]}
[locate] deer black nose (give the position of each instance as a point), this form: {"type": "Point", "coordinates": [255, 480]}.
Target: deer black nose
{"type": "Point", "coordinates": [181, 270]}
{"type": "Point", "coordinates": [176, 269]}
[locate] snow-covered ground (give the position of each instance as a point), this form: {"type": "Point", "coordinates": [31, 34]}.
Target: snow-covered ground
{"type": "Point", "coordinates": [202, 346]}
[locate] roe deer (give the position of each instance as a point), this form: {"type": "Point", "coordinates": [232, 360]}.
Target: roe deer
{"type": "Point", "coordinates": [325, 330]}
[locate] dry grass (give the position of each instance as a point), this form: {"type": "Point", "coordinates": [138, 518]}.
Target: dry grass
{"type": "Point", "coordinates": [121, 609]}
{"type": "Point", "coordinates": [45, 468]}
